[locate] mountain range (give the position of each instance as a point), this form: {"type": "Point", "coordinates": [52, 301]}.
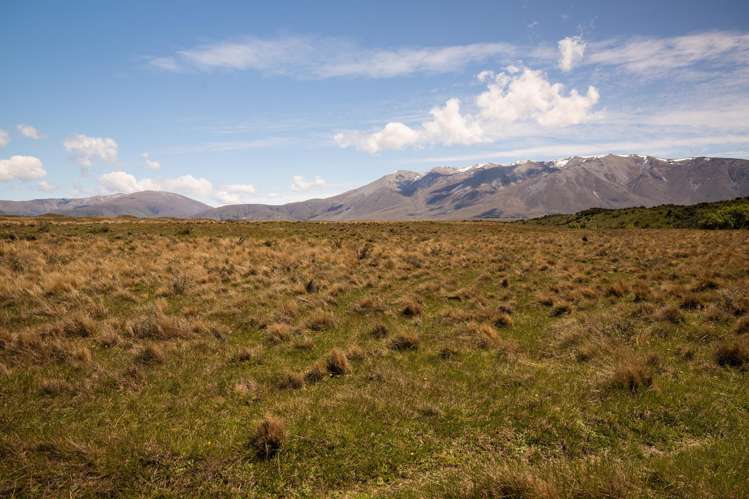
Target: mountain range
{"type": "Point", "coordinates": [520, 190]}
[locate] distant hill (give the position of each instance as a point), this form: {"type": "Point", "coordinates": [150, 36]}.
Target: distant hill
{"type": "Point", "coordinates": [521, 190]}
{"type": "Point", "coordinates": [732, 214]}
{"type": "Point", "coordinates": [144, 204]}
{"type": "Point", "coordinates": [485, 191]}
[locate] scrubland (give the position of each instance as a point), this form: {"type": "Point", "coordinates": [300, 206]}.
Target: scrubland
{"type": "Point", "coordinates": [371, 359]}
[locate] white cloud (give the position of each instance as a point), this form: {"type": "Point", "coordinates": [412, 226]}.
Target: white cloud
{"type": "Point", "coordinates": [29, 132]}
{"type": "Point", "coordinates": [517, 98]}
{"type": "Point", "coordinates": [235, 193]}
{"type": "Point", "coordinates": [45, 186]}
{"type": "Point", "coordinates": [150, 163]}
{"type": "Point", "coordinates": [165, 63]}
{"type": "Point", "coordinates": [315, 57]}
{"type": "Point", "coordinates": [320, 57]}
{"type": "Point", "coordinates": [485, 76]}
{"type": "Point", "coordinates": [4, 138]}
{"type": "Point", "coordinates": [87, 149]}
{"type": "Point", "coordinates": [571, 51]}
{"type": "Point", "coordinates": [389, 63]}
{"type": "Point", "coordinates": [299, 184]}
{"type": "Point", "coordinates": [21, 168]}
{"type": "Point", "coordinates": [201, 188]}
{"type": "Point", "coordinates": [658, 56]}
{"type": "Point", "coordinates": [186, 184]}
{"type": "Point", "coordinates": [392, 136]}
{"type": "Point", "coordinates": [684, 146]}
{"type": "Point", "coordinates": [528, 95]}
{"type": "Point", "coordinates": [120, 181]}
{"type": "Point", "coordinates": [226, 146]}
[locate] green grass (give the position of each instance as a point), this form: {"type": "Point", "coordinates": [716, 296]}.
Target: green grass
{"type": "Point", "coordinates": [528, 415]}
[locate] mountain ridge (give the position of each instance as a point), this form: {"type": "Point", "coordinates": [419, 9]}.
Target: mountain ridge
{"type": "Point", "coordinates": [523, 189]}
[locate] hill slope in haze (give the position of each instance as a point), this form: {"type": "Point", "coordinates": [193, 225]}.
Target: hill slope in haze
{"type": "Point", "coordinates": [144, 204]}
{"type": "Point", "coordinates": [521, 190]}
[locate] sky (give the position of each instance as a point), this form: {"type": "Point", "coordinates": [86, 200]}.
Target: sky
{"type": "Point", "coordinates": [272, 102]}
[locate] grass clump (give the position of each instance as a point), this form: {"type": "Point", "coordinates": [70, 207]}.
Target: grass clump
{"type": "Point", "coordinates": [337, 363]}
{"type": "Point", "coordinates": [269, 437]}
{"type": "Point", "coordinates": [733, 353]}
{"type": "Point", "coordinates": [404, 342]}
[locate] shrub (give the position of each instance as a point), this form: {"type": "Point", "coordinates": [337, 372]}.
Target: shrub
{"type": "Point", "coordinates": [404, 342]}
{"type": "Point", "coordinates": [733, 354]}
{"type": "Point", "coordinates": [269, 437]}
{"type": "Point", "coordinates": [631, 376]}
{"type": "Point", "coordinates": [742, 326]}
{"type": "Point", "coordinates": [355, 353]}
{"type": "Point", "coordinates": [320, 321]}
{"type": "Point", "coordinates": [503, 321]}
{"type": "Point", "coordinates": [337, 363]}
{"type": "Point", "coordinates": [278, 333]}
{"type": "Point", "coordinates": [545, 299]}
{"type": "Point", "coordinates": [379, 331]}
{"type": "Point", "coordinates": [247, 389]}
{"type": "Point", "coordinates": [290, 381]}
{"type": "Point", "coordinates": [247, 354]}
{"type": "Point", "coordinates": [150, 355]}
{"type": "Point", "coordinates": [669, 313]}
{"type": "Point", "coordinates": [81, 326]}
{"type": "Point", "coordinates": [410, 309]}
{"type": "Point", "coordinates": [54, 387]}
{"type": "Point", "coordinates": [730, 217]}
{"type": "Point", "coordinates": [484, 335]}
{"type": "Point", "coordinates": [314, 374]}
{"type": "Point", "coordinates": [560, 309]}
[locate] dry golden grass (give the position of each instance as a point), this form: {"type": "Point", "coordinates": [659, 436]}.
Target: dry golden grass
{"type": "Point", "coordinates": [421, 359]}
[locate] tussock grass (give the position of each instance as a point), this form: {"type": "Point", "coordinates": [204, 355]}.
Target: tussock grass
{"type": "Point", "coordinates": [269, 437]}
{"type": "Point", "coordinates": [272, 359]}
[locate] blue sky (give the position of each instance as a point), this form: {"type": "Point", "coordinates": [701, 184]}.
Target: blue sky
{"type": "Point", "coordinates": [280, 101]}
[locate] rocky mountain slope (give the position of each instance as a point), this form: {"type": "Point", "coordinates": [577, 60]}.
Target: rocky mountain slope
{"type": "Point", "coordinates": [521, 190]}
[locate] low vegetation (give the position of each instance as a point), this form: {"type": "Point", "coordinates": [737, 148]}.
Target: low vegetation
{"type": "Point", "coordinates": [732, 214]}
{"type": "Point", "coordinates": [476, 359]}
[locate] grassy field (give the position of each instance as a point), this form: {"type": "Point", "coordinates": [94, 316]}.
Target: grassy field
{"type": "Point", "coordinates": [482, 359]}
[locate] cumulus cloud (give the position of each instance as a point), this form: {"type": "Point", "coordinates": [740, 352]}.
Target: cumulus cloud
{"type": "Point", "coordinates": [120, 181]}
{"type": "Point", "coordinates": [393, 136]}
{"type": "Point", "coordinates": [4, 138]}
{"type": "Point", "coordinates": [21, 168]}
{"type": "Point", "coordinates": [29, 132]}
{"type": "Point", "coordinates": [317, 57]}
{"type": "Point", "coordinates": [299, 184]}
{"type": "Point", "coordinates": [234, 193]}
{"type": "Point", "coordinates": [516, 97]}
{"type": "Point", "coordinates": [150, 163]}
{"type": "Point", "coordinates": [571, 51]}
{"type": "Point", "coordinates": [201, 188]}
{"type": "Point", "coordinates": [86, 150]}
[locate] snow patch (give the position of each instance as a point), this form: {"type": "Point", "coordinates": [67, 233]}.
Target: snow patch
{"type": "Point", "coordinates": [477, 166]}
{"type": "Point", "coordinates": [561, 163]}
